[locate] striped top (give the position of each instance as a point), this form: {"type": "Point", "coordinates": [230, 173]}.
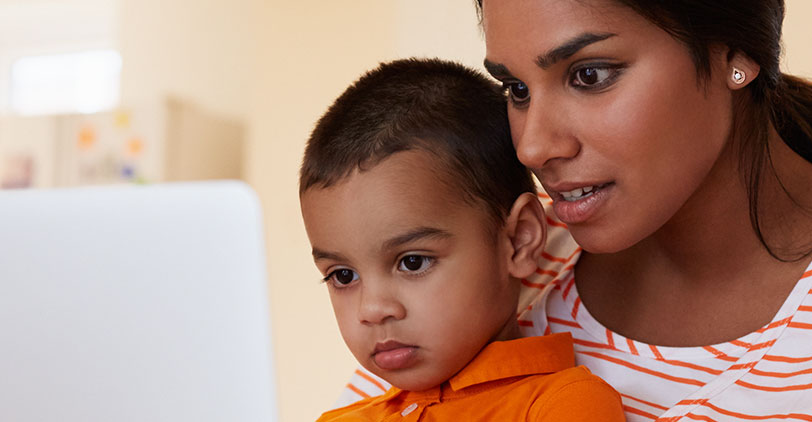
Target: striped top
{"type": "Point", "coordinates": [763, 376]}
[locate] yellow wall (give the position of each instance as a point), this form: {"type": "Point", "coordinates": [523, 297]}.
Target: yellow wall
{"type": "Point", "coordinates": [277, 65]}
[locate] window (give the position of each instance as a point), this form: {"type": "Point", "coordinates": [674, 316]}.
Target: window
{"type": "Point", "coordinates": [83, 82]}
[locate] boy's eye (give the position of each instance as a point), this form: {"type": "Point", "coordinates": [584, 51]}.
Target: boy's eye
{"type": "Point", "coordinates": [342, 276]}
{"type": "Point", "coordinates": [414, 263]}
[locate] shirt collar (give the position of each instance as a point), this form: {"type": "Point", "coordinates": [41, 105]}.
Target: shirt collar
{"type": "Point", "coordinates": [501, 360]}
{"type": "Point", "coordinates": [514, 358]}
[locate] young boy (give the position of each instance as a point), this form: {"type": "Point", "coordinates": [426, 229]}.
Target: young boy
{"type": "Point", "coordinates": [423, 223]}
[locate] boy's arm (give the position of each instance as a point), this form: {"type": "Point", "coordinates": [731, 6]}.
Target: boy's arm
{"type": "Point", "coordinates": [362, 384]}
{"type": "Point", "coordinates": [580, 401]}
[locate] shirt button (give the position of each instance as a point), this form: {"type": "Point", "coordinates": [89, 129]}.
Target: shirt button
{"type": "Point", "coordinates": [409, 409]}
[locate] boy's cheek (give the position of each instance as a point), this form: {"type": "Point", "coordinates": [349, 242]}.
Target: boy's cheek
{"type": "Point", "coordinates": [356, 342]}
{"type": "Point", "coordinates": [347, 320]}
{"type": "Point", "coordinates": [340, 310]}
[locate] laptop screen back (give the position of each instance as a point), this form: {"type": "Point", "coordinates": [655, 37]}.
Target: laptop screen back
{"type": "Point", "coordinates": [134, 304]}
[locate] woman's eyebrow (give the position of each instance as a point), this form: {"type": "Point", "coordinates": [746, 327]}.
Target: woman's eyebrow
{"type": "Point", "coordinates": [546, 60]}
{"type": "Point", "coordinates": [497, 70]}
{"type": "Point", "coordinates": [569, 48]}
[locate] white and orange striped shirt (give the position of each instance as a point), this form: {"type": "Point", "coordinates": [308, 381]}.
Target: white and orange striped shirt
{"type": "Point", "coordinates": [764, 376]}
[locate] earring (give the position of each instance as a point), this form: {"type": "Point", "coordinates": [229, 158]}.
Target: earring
{"type": "Point", "coordinates": [738, 76]}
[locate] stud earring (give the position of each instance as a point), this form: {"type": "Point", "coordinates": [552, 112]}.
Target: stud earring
{"type": "Point", "coordinates": [738, 76]}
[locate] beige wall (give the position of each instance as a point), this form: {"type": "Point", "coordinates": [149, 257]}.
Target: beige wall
{"type": "Point", "coordinates": [798, 38]}
{"type": "Point", "coordinates": [278, 64]}
{"type": "Point", "coordinates": [205, 51]}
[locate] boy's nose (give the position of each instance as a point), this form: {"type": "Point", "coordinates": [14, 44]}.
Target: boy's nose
{"type": "Point", "coordinates": [379, 304]}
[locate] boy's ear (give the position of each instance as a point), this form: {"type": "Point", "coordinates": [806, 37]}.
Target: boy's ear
{"type": "Point", "coordinates": [526, 227]}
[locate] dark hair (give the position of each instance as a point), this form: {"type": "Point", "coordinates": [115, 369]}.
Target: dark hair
{"type": "Point", "coordinates": [441, 107]}
{"type": "Point", "coordinates": [752, 28]}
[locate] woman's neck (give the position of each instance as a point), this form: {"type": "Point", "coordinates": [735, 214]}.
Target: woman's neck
{"type": "Point", "coordinates": [706, 267]}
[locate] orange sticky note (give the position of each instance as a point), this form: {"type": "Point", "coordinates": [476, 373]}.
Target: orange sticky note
{"type": "Point", "coordinates": [135, 146]}
{"type": "Point", "coordinates": [87, 137]}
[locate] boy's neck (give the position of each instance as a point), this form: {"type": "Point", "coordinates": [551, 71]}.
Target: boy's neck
{"type": "Point", "coordinates": [510, 331]}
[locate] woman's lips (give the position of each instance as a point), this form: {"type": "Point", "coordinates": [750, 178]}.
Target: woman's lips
{"type": "Point", "coordinates": [393, 355]}
{"type": "Point", "coordinates": [575, 210]}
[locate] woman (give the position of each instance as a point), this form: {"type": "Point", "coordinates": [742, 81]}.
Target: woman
{"type": "Point", "coordinates": [678, 158]}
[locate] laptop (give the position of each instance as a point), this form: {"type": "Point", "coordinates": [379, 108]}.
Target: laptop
{"type": "Point", "coordinates": [134, 303]}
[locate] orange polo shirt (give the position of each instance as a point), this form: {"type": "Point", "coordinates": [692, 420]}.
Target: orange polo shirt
{"type": "Point", "coordinates": [531, 378]}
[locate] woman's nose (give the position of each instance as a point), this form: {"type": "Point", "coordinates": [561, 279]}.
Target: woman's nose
{"type": "Point", "coordinates": [379, 303]}
{"type": "Point", "coordinates": [542, 133]}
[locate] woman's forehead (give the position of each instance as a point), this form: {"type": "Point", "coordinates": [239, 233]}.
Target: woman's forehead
{"type": "Point", "coordinates": [514, 28]}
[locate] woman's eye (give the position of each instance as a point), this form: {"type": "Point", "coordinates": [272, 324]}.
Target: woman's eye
{"type": "Point", "coordinates": [591, 77]}
{"type": "Point", "coordinates": [342, 277]}
{"type": "Point", "coordinates": [414, 263]}
{"type": "Point", "coordinates": [518, 92]}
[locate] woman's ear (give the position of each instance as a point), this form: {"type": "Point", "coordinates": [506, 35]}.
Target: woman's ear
{"type": "Point", "coordinates": [526, 227]}
{"type": "Point", "coordinates": [741, 70]}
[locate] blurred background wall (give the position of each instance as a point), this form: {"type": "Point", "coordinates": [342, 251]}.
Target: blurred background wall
{"type": "Point", "coordinates": [273, 66]}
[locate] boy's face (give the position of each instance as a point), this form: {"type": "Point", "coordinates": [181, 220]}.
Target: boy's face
{"type": "Point", "coordinates": [418, 282]}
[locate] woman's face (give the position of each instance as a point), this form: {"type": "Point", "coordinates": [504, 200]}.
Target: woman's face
{"type": "Point", "coordinates": [608, 111]}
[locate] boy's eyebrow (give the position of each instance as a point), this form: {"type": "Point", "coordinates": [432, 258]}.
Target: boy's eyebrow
{"type": "Point", "coordinates": [546, 60]}
{"type": "Point", "coordinates": [410, 236]}
{"type": "Point", "coordinates": [319, 254]}
{"type": "Point", "coordinates": [415, 234]}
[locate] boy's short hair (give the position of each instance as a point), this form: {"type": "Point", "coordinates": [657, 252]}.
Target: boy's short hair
{"type": "Point", "coordinates": [438, 106]}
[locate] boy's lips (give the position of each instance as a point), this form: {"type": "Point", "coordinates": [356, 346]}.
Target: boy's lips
{"type": "Point", "coordinates": [394, 355]}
